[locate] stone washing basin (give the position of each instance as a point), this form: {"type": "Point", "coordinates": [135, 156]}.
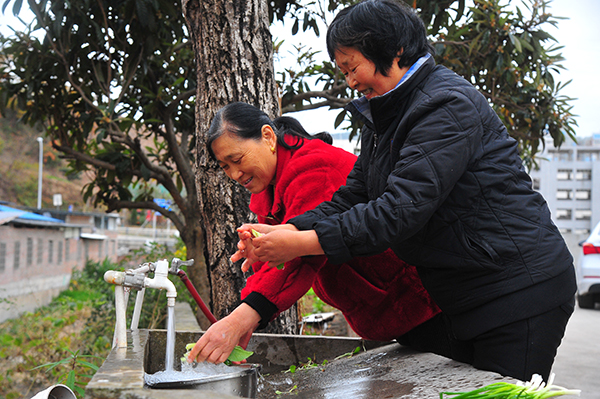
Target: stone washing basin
{"type": "Point", "coordinates": [383, 370]}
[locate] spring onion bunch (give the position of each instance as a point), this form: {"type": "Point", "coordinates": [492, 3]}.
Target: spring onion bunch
{"type": "Point", "coordinates": [534, 389]}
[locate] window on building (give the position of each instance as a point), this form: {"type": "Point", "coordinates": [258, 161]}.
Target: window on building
{"type": "Point", "coordinates": [59, 255]}
{"type": "Point", "coordinates": [2, 257]}
{"type": "Point", "coordinates": [563, 214]}
{"type": "Point", "coordinates": [564, 230]}
{"type": "Point", "coordinates": [583, 195]}
{"type": "Point", "coordinates": [583, 174]}
{"type": "Point", "coordinates": [17, 258]}
{"type": "Point", "coordinates": [536, 183]}
{"type": "Point", "coordinates": [564, 174]}
{"type": "Point", "coordinates": [564, 194]}
{"type": "Point", "coordinates": [50, 252]}
{"type": "Point", "coordinates": [563, 156]}
{"type": "Point", "coordinates": [40, 251]}
{"type": "Point", "coordinates": [29, 251]}
{"type": "Point", "coordinates": [587, 156]}
{"type": "Point", "coordinates": [583, 214]}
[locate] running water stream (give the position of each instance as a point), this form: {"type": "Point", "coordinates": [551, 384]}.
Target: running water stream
{"type": "Point", "coordinates": [170, 350]}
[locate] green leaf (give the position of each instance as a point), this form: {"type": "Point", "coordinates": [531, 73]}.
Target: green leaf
{"type": "Point", "coordinates": [238, 354]}
{"type": "Point", "coordinates": [88, 364]}
{"type": "Point", "coordinates": [339, 119]}
{"type": "Point", "coordinates": [71, 379]}
{"type": "Point", "coordinates": [516, 42]}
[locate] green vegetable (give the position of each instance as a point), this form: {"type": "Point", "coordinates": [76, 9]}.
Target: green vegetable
{"type": "Point", "coordinates": [237, 355]}
{"type": "Point", "coordinates": [257, 234]}
{"type": "Point", "coordinates": [534, 389]}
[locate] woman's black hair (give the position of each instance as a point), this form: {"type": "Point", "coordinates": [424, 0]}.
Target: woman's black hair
{"type": "Point", "coordinates": [380, 30]}
{"type": "Point", "coordinates": [246, 121]}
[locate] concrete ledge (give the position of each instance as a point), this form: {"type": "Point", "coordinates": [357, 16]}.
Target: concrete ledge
{"type": "Point", "coordinates": [385, 371]}
{"type": "Point", "coordinates": [185, 320]}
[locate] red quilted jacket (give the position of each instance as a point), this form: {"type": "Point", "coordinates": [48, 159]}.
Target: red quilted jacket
{"type": "Point", "coordinates": [381, 296]}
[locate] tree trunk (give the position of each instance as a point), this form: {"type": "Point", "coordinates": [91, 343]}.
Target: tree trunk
{"type": "Point", "coordinates": [234, 55]}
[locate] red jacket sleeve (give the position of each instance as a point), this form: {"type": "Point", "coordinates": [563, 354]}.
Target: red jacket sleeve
{"type": "Point", "coordinates": [306, 179]}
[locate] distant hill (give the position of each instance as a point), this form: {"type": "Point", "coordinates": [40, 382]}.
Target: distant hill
{"type": "Point", "coordinates": [19, 155]}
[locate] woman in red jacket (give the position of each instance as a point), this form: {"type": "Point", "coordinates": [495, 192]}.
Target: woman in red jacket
{"type": "Point", "coordinates": [289, 172]}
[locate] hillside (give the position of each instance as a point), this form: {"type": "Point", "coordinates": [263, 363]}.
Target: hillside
{"type": "Point", "coordinates": [19, 154]}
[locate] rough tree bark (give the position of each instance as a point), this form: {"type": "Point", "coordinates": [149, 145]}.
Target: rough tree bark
{"type": "Point", "coordinates": [234, 55]}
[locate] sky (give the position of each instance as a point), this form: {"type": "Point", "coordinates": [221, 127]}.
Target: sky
{"type": "Point", "coordinates": [579, 34]}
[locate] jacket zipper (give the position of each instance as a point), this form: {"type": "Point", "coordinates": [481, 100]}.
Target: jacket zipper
{"type": "Point", "coordinates": [372, 179]}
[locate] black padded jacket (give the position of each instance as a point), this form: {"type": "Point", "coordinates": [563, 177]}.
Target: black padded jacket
{"type": "Point", "coordinates": [440, 181]}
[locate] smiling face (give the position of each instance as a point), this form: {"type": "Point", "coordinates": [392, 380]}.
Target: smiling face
{"type": "Point", "coordinates": [249, 162]}
{"type": "Point", "coordinates": [361, 74]}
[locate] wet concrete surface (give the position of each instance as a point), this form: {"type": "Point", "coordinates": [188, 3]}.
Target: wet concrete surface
{"type": "Point", "coordinates": [384, 370]}
{"type": "Point", "coordinates": [390, 371]}
{"type": "Point", "coordinates": [325, 368]}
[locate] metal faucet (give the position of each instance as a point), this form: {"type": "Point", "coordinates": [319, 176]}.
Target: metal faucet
{"type": "Point", "coordinates": [137, 279]}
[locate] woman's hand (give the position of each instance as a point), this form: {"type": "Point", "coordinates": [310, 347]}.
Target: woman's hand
{"type": "Point", "coordinates": [217, 343]}
{"type": "Point", "coordinates": [277, 245]}
{"type": "Point", "coordinates": [246, 247]}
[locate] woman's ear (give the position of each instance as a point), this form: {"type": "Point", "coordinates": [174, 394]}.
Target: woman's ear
{"type": "Point", "coordinates": [269, 135]}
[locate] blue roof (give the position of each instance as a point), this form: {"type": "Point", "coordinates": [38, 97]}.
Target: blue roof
{"type": "Point", "coordinates": [7, 214]}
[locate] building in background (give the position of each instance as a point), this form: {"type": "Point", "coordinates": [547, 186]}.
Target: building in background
{"type": "Point", "coordinates": [38, 253]}
{"type": "Point", "coordinates": [569, 180]}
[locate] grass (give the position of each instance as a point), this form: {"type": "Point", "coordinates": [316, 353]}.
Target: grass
{"type": "Point", "coordinates": [66, 340]}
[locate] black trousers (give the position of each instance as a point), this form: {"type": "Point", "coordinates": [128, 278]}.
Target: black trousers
{"type": "Point", "coordinates": [517, 350]}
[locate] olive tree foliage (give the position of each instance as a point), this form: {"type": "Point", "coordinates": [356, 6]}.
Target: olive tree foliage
{"type": "Point", "coordinates": [112, 83]}
{"type": "Point", "coordinates": [502, 47]}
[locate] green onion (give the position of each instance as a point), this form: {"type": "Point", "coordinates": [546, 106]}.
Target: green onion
{"type": "Point", "coordinates": [257, 234]}
{"type": "Point", "coordinates": [534, 389]}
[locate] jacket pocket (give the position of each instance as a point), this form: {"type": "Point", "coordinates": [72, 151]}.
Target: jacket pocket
{"type": "Point", "coordinates": [480, 250]}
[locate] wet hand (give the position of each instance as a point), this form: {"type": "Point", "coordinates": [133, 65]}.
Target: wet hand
{"type": "Point", "coordinates": [284, 244]}
{"type": "Point", "coordinates": [218, 341]}
{"type": "Point", "coordinates": [246, 247]}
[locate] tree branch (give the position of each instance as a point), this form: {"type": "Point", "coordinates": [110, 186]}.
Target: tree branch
{"type": "Point", "coordinates": [114, 205]}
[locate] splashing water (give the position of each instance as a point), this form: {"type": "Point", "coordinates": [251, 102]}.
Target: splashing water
{"type": "Point", "coordinates": [191, 372]}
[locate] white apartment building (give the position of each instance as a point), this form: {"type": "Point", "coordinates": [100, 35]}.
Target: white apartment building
{"type": "Point", "coordinates": [569, 180]}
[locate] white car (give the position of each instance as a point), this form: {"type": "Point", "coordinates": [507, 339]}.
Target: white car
{"type": "Point", "coordinates": [588, 271]}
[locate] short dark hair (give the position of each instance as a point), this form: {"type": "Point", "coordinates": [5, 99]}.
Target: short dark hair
{"type": "Point", "coordinates": [380, 30]}
{"type": "Point", "coordinates": [246, 121]}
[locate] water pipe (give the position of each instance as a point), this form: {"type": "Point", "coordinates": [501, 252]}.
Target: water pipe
{"type": "Point", "coordinates": [120, 337]}
{"type": "Point", "coordinates": [138, 280]}
{"type": "Point", "coordinates": [175, 270]}
{"type": "Point", "coordinates": [137, 310]}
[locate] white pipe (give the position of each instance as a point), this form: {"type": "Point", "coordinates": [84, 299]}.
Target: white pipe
{"type": "Point", "coordinates": [40, 170]}
{"type": "Point", "coordinates": [120, 338]}
{"type": "Point", "coordinates": [58, 391]}
{"type": "Point", "coordinates": [139, 299]}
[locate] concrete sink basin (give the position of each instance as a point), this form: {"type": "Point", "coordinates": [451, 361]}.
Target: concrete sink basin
{"type": "Point", "coordinates": [382, 370]}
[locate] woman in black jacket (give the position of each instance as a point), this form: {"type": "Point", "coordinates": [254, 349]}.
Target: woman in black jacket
{"type": "Point", "coordinates": [440, 181]}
